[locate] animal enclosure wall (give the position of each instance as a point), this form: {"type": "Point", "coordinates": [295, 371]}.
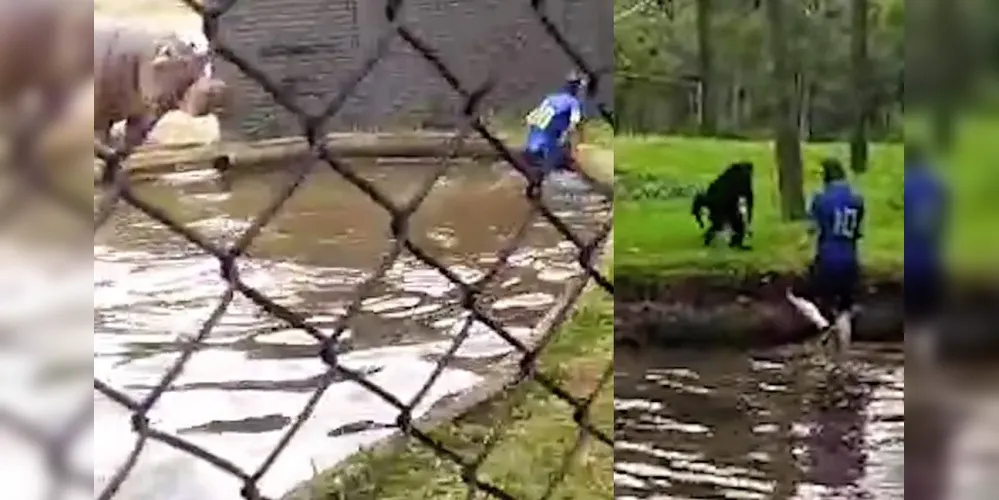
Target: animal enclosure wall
{"type": "Point", "coordinates": [312, 49]}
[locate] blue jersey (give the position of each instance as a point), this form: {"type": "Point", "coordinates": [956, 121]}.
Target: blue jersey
{"type": "Point", "coordinates": [925, 210]}
{"type": "Point", "coordinates": [549, 124]}
{"type": "Point", "coordinates": [838, 212]}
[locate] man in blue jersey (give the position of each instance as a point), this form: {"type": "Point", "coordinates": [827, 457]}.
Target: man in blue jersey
{"type": "Point", "coordinates": [554, 129]}
{"type": "Point", "coordinates": [926, 207]}
{"type": "Point", "coordinates": [838, 215]}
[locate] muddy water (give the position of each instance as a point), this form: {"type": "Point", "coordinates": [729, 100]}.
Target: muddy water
{"type": "Point", "coordinates": [240, 393]}
{"type": "Point", "coordinates": [771, 426]}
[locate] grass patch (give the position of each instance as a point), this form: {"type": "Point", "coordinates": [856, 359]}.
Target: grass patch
{"type": "Point", "coordinates": [530, 431]}
{"type": "Point", "coordinates": [656, 236]}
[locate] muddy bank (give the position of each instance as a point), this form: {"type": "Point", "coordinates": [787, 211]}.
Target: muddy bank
{"type": "Point", "coordinates": [752, 311]}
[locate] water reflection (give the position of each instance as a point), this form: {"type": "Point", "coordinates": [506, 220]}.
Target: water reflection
{"type": "Point", "coordinates": [253, 375]}
{"type": "Point", "coordinates": [954, 433]}
{"type": "Point", "coordinates": [773, 426]}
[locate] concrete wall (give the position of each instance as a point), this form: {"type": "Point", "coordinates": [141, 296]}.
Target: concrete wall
{"type": "Point", "coordinates": [313, 48]}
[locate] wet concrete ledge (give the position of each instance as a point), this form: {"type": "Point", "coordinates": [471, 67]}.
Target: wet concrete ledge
{"type": "Point", "coordinates": [164, 158]}
{"type": "Point", "coordinates": [744, 312]}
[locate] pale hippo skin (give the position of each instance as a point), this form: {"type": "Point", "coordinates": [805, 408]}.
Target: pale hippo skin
{"type": "Point", "coordinates": [140, 75]}
{"type": "Point", "coordinates": [43, 50]}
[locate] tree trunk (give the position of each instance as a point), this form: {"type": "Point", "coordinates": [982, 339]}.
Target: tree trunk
{"type": "Point", "coordinates": [735, 104]}
{"type": "Point", "coordinates": [859, 153]}
{"type": "Point", "coordinates": [943, 125]}
{"type": "Point", "coordinates": [804, 108]}
{"type": "Point", "coordinates": [706, 56]}
{"type": "Point", "coordinates": [785, 119]}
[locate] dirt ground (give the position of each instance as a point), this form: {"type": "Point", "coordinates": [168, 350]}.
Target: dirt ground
{"type": "Point", "coordinates": [173, 14]}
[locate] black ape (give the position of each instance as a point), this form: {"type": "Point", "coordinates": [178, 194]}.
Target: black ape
{"type": "Point", "coordinates": [722, 199]}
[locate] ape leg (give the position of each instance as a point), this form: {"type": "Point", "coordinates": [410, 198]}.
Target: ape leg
{"type": "Point", "coordinates": [716, 224]}
{"type": "Point", "coordinates": [738, 239]}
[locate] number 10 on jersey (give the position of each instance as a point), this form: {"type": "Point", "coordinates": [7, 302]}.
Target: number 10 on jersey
{"type": "Point", "coordinates": [541, 116]}
{"type": "Point", "coordinates": [845, 222]}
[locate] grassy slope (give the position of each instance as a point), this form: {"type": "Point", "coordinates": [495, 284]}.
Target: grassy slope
{"type": "Point", "coordinates": [658, 237]}
{"type": "Point", "coordinates": [537, 429]}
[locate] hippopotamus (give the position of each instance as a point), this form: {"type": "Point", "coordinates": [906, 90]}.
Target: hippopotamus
{"type": "Point", "coordinates": [43, 50]}
{"type": "Point", "coordinates": [141, 75]}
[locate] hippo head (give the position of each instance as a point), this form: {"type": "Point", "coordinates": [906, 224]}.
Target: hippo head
{"type": "Point", "coordinates": [178, 78]}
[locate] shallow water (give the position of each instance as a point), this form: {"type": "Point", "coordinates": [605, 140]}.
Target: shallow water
{"type": "Point", "coordinates": [239, 393]}
{"type": "Point", "coordinates": [781, 425]}
{"type": "Point", "coordinates": [772, 426]}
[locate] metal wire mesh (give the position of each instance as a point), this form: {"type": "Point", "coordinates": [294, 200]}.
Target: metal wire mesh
{"type": "Point", "coordinates": [117, 190]}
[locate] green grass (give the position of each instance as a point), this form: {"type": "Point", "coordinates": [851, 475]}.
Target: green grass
{"type": "Point", "coordinates": [658, 237]}
{"type": "Point", "coordinates": [532, 431]}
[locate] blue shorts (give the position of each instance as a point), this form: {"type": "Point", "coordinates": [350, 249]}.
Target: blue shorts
{"type": "Point", "coordinates": [834, 284]}
{"type": "Point", "coordinates": [924, 293]}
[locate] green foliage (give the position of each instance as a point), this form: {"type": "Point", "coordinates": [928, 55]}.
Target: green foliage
{"type": "Point", "coordinates": [658, 66]}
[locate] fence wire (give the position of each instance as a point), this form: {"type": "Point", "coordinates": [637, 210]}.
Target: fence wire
{"type": "Point", "coordinates": [116, 191]}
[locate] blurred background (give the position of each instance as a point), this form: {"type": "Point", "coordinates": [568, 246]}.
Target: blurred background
{"type": "Point", "coordinates": [952, 105]}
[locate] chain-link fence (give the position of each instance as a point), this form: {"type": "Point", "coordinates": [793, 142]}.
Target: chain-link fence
{"type": "Point", "coordinates": [116, 190]}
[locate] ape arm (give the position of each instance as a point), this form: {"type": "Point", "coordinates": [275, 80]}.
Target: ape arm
{"type": "Point", "coordinates": [861, 210]}
{"type": "Point", "coordinates": [742, 178]}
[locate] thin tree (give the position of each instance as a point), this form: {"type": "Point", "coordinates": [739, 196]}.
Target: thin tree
{"type": "Point", "coordinates": [785, 119]}
{"type": "Point", "coordinates": [947, 68]}
{"type": "Point", "coordinates": [706, 56]}
{"type": "Point", "coordinates": [859, 149]}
